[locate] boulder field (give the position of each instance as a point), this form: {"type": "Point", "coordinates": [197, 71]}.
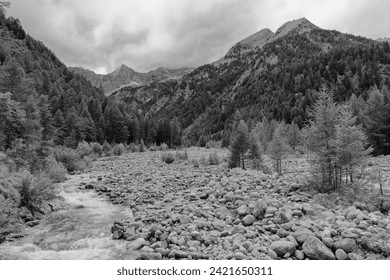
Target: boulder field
{"type": "Point", "coordinates": [210, 212]}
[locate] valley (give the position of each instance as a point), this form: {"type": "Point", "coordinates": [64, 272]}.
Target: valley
{"type": "Point", "coordinates": [185, 211]}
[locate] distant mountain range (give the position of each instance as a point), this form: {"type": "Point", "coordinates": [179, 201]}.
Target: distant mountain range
{"type": "Point", "coordinates": [125, 76]}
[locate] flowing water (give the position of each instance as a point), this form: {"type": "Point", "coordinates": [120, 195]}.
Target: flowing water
{"type": "Point", "coordinates": [82, 231]}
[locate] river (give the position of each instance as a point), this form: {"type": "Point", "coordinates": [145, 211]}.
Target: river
{"type": "Point", "coordinates": [80, 232]}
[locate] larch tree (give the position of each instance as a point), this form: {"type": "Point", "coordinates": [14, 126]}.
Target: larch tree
{"type": "Point", "coordinates": [239, 146]}
{"type": "Point", "coordinates": [279, 146]}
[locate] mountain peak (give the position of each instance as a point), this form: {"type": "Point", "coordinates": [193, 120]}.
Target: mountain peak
{"type": "Point", "coordinates": [301, 25]}
{"type": "Point", "coordinates": [258, 39]}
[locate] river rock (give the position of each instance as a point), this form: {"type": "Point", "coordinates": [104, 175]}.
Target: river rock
{"type": "Point", "coordinates": [282, 247]}
{"type": "Point", "coordinates": [341, 254]}
{"type": "Point", "coordinates": [248, 220]}
{"type": "Point", "coordinates": [259, 209]}
{"type": "Point", "coordinates": [137, 244]}
{"type": "Point", "coordinates": [302, 234]}
{"type": "Point", "coordinates": [346, 244]}
{"type": "Point", "coordinates": [314, 249]}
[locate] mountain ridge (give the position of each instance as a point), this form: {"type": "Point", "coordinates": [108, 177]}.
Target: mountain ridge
{"type": "Point", "coordinates": [126, 76]}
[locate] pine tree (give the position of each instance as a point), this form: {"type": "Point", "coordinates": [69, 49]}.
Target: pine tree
{"type": "Point", "coordinates": [239, 146]}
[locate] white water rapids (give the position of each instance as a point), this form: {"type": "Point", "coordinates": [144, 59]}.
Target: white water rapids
{"type": "Point", "coordinates": [80, 232]}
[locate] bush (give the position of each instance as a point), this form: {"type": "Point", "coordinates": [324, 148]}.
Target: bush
{"type": "Point", "coordinates": [167, 158]}
{"type": "Point", "coordinates": [97, 148]}
{"type": "Point", "coordinates": [213, 159]}
{"type": "Point", "coordinates": [142, 147]}
{"type": "Point", "coordinates": [35, 190]}
{"type": "Point", "coordinates": [106, 147]}
{"type": "Point", "coordinates": [118, 149]}
{"type": "Point", "coordinates": [55, 170]}
{"type": "Point", "coordinates": [163, 147]}
{"type": "Point", "coordinates": [83, 149]}
{"type": "Point", "coordinates": [9, 220]}
{"type": "Point", "coordinates": [213, 144]}
{"type": "Point", "coordinates": [182, 155]}
{"type": "Point", "coordinates": [132, 148]}
{"type": "Point", "coordinates": [67, 157]}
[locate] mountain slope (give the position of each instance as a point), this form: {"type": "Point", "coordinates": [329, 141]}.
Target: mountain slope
{"type": "Point", "coordinates": [266, 75]}
{"type": "Point", "coordinates": [125, 76]}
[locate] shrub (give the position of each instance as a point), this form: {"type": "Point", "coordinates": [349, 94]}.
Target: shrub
{"type": "Point", "coordinates": [167, 158]}
{"type": "Point", "coordinates": [106, 147]}
{"type": "Point", "coordinates": [132, 148]}
{"type": "Point", "coordinates": [9, 220]}
{"type": "Point", "coordinates": [213, 159]}
{"type": "Point", "coordinates": [55, 170]}
{"type": "Point", "coordinates": [118, 149]}
{"type": "Point", "coordinates": [203, 160]}
{"type": "Point", "coordinates": [97, 148]}
{"type": "Point", "coordinates": [142, 147]}
{"type": "Point", "coordinates": [83, 149]}
{"type": "Point", "coordinates": [67, 157]}
{"type": "Point", "coordinates": [213, 144]}
{"type": "Point", "coordinates": [163, 147]}
{"type": "Point", "coordinates": [182, 155]}
{"type": "Point", "coordinates": [35, 190]}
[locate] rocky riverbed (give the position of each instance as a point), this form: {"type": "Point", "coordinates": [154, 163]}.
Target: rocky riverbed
{"type": "Point", "coordinates": [181, 211]}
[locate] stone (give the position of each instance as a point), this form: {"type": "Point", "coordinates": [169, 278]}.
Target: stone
{"type": "Point", "coordinates": [242, 210]}
{"type": "Point", "coordinates": [348, 234]}
{"type": "Point", "coordinates": [259, 209]}
{"type": "Point", "coordinates": [248, 220]}
{"type": "Point", "coordinates": [282, 247]}
{"type": "Point", "coordinates": [347, 244]}
{"type": "Point", "coordinates": [314, 249]}
{"type": "Point", "coordinates": [282, 217]}
{"type": "Point", "coordinates": [328, 241]}
{"type": "Point", "coordinates": [184, 219]}
{"type": "Point", "coordinates": [282, 232]}
{"type": "Point", "coordinates": [271, 253]}
{"type": "Point", "coordinates": [150, 256]}
{"type": "Point", "coordinates": [299, 255]}
{"type": "Point", "coordinates": [354, 256]}
{"type": "Point", "coordinates": [271, 210]}
{"type": "Point", "coordinates": [193, 243]}
{"type": "Point", "coordinates": [137, 244]}
{"type": "Point", "coordinates": [341, 255]}
{"type": "Point", "coordinates": [302, 234]}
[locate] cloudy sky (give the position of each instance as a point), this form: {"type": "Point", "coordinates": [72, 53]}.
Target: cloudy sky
{"type": "Point", "coordinates": [145, 34]}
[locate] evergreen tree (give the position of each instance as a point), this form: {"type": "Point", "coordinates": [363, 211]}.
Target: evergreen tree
{"type": "Point", "coordinates": [319, 136]}
{"type": "Point", "coordinates": [377, 122]}
{"type": "Point", "coordinates": [350, 142]}
{"type": "Point", "coordinates": [239, 146]}
{"type": "Point", "coordinates": [279, 146]}
{"type": "Point", "coordinates": [12, 120]}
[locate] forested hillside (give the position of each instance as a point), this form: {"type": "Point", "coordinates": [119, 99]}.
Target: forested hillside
{"type": "Point", "coordinates": [277, 80]}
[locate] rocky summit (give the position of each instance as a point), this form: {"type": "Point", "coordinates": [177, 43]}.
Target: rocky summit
{"type": "Point", "coordinates": [181, 211]}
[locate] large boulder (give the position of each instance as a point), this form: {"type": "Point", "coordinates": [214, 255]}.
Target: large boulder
{"type": "Point", "coordinates": [282, 247]}
{"type": "Point", "coordinates": [314, 249]}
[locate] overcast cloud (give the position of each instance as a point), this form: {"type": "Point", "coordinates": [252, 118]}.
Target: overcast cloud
{"type": "Point", "coordinates": [145, 34]}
